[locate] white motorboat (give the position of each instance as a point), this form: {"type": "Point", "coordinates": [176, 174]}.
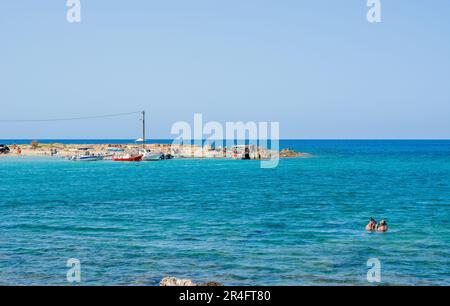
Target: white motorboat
{"type": "Point", "coordinates": [149, 155]}
{"type": "Point", "coordinates": [90, 157]}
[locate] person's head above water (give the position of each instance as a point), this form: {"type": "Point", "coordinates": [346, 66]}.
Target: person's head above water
{"type": "Point", "coordinates": [383, 222]}
{"type": "Point", "coordinates": [372, 225]}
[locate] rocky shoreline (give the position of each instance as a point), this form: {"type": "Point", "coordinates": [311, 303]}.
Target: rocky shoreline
{"type": "Point", "coordinates": [35, 149]}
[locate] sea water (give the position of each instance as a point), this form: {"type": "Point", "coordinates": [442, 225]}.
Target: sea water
{"type": "Point", "coordinates": [230, 221]}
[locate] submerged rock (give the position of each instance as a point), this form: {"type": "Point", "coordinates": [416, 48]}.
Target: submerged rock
{"type": "Point", "coordinates": [210, 284]}
{"type": "Point", "coordinates": [172, 281]}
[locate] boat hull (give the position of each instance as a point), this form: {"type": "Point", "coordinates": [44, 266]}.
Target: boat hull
{"type": "Point", "coordinates": [151, 157]}
{"type": "Point", "coordinates": [128, 159]}
{"type": "Point", "coordinates": [148, 155]}
{"type": "Point", "coordinates": [87, 158]}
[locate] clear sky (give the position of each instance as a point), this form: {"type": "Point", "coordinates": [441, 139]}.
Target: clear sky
{"type": "Point", "coordinates": [317, 66]}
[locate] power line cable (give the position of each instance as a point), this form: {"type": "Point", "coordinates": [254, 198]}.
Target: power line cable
{"type": "Point", "coordinates": [69, 119]}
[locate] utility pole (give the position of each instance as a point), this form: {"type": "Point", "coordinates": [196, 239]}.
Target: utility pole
{"type": "Point", "coordinates": [143, 129]}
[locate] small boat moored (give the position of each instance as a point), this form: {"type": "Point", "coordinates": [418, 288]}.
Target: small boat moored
{"type": "Point", "coordinates": [148, 155]}
{"type": "Point", "coordinates": [128, 158]}
{"type": "Point", "coordinates": [86, 157]}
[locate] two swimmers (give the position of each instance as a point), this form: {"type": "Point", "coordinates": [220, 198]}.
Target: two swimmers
{"type": "Point", "coordinates": [373, 226]}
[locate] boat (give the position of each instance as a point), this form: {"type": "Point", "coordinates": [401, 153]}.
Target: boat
{"type": "Point", "coordinates": [108, 156]}
{"type": "Point", "coordinates": [148, 155]}
{"type": "Point", "coordinates": [167, 156]}
{"type": "Point", "coordinates": [87, 157]}
{"type": "Point", "coordinates": [128, 158]}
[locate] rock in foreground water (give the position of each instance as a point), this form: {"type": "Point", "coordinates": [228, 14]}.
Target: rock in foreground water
{"type": "Point", "coordinates": [172, 281]}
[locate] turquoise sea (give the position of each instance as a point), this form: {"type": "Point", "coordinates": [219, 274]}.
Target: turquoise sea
{"type": "Point", "coordinates": [301, 223]}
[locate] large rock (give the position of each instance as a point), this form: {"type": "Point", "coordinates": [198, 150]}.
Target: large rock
{"type": "Point", "coordinates": [172, 281]}
{"type": "Point", "coordinates": [288, 153]}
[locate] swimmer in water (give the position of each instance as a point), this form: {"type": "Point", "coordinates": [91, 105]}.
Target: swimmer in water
{"type": "Point", "coordinates": [372, 225]}
{"type": "Point", "coordinates": [382, 227]}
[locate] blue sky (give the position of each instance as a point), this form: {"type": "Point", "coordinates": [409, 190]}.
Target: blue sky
{"type": "Point", "coordinates": [318, 67]}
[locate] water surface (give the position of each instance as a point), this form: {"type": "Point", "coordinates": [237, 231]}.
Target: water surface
{"type": "Point", "coordinates": [231, 221]}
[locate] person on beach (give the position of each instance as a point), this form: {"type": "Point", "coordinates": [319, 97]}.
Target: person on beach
{"type": "Point", "coordinates": [382, 227]}
{"type": "Point", "coordinates": [372, 225]}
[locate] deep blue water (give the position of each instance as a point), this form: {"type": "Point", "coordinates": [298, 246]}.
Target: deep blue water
{"type": "Point", "coordinates": [301, 223]}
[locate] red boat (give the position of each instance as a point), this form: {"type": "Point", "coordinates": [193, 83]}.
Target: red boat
{"type": "Point", "coordinates": [128, 158]}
